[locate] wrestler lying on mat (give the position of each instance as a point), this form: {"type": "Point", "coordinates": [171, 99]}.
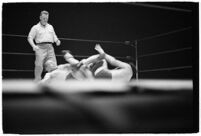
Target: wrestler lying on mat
{"type": "Point", "coordinates": [74, 69]}
{"type": "Point", "coordinates": [99, 68]}
{"type": "Point", "coordinates": [122, 71]}
{"type": "Point", "coordinates": [92, 67]}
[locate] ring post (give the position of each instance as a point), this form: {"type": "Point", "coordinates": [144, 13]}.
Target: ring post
{"type": "Point", "coordinates": [136, 60]}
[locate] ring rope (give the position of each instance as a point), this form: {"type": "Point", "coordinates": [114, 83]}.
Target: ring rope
{"type": "Point", "coordinates": [164, 34]}
{"type": "Point", "coordinates": [72, 39]}
{"type": "Point", "coordinates": [16, 53]}
{"type": "Point", "coordinates": [96, 41]}
{"type": "Point", "coordinates": [151, 70]}
{"type": "Point", "coordinates": [78, 56]}
{"type": "Point", "coordinates": [164, 52]}
{"type": "Point", "coordinates": [27, 86]}
{"type": "Point", "coordinates": [160, 7]}
{"type": "Point", "coordinates": [16, 70]}
{"type": "Point", "coordinates": [165, 69]}
{"type": "Point", "coordinates": [15, 35]}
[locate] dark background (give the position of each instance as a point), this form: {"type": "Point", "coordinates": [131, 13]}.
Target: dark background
{"type": "Point", "coordinates": [108, 22]}
{"type": "Point", "coordinates": [148, 111]}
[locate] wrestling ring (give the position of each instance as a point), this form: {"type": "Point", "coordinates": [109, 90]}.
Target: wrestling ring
{"type": "Point", "coordinates": [101, 106]}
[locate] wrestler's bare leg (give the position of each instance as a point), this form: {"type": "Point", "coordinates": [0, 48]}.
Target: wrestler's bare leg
{"type": "Point", "coordinates": [69, 58]}
{"type": "Point", "coordinates": [124, 71]}
{"type": "Point", "coordinates": [110, 59]}
{"type": "Point", "coordinates": [93, 59]}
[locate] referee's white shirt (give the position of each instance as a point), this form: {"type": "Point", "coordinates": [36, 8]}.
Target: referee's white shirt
{"type": "Point", "coordinates": [42, 34]}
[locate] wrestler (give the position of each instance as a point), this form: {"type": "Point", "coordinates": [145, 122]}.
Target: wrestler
{"type": "Point", "coordinates": [122, 72]}
{"type": "Point", "coordinates": [81, 69]}
{"type": "Point", "coordinates": [74, 69]}
{"type": "Point", "coordinates": [99, 68]}
{"type": "Point", "coordinates": [55, 73]}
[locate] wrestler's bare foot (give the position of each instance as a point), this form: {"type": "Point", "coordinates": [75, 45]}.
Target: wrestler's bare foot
{"type": "Point", "coordinates": [67, 54]}
{"type": "Point", "coordinates": [99, 49]}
